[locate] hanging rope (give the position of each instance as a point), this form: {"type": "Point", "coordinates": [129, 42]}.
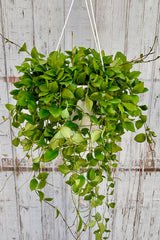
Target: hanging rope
{"type": "Point", "coordinates": [90, 19]}
{"type": "Point", "coordinates": [66, 21]}
{"type": "Point", "coordinates": [93, 27]}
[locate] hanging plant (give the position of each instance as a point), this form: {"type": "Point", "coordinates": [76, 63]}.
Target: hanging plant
{"type": "Point", "coordinates": [55, 97]}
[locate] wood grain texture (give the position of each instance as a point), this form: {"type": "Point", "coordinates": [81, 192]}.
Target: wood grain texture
{"type": "Point", "coordinates": [129, 26]}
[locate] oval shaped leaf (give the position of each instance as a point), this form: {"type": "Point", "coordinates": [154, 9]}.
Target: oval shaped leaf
{"type": "Point", "coordinates": [67, 94]}
{"type": "Point", "coordinates": [10, 107]}
{"type": "Point", "coordinates": [89, 104]}
{"type": "Point", "coordinates": [50, 155]}
{"type": "Point", "coordinates": [65, 114]}
{"type": "Point", "coordinates": [64, 169]}
{"type": "Point", "coordinates": [139, 124]}
{"type": "Point", "coordinates": [91, 224]}
{"type": "Point", "coordinates": [141, 137]}
{"type": "Point", "coordinates": [66, 132]}
{"type": "Point", "coordinates": [77, 138]}
{"type": "Point", "coordinates": [95, 135]}
{"type": "Point", "coordinates": [129, 126]}
{"type": "Point", "coordinates": [91, 174]}
{"type": "Point", "coordinates": [33, 184]}
{"type": "Point", "coordinates": [16, 142]}
{"type": "Point", "coordinates": [43, 113]}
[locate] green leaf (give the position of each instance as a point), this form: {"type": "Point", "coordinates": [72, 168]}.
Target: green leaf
{"type": "Point", "coordinates": [34, 53]}
{"type": "Point", "coordinates": [29, 126]}
{"type": "Point", "coordinates": [112, 204]}
{"type": "Point", "coordinates": [129, 126]}
{"type": "Point", "coordinates": [67, 94]}
{"type": "Point", "coordinates": [54, 143]}
{"type": "Point", "coordinates": [53, 86]}
{"type": "Point", "coordinates": [48, 199]}
{"type": "Point", "coordinates": [121, 56]}
{"type": "Point", "coordinates": [139, 124]}
{"type": "Point", "coordinates": [88, 197]}
{"type": "Point", "coordinates": [139, 87]}
{"type": "Point", "coordinates": [79, 93]}
{"type": "Point", "coordinates": [14, 92]}
{"type": "Point", "coordinates": [95, 96]}
{"type": "Point", "coordinates": [80, 224]}
{"type": "Point", "coordinates": [130, 106]}
{"type": "Point", "coordinates": [94, 119]}
{"type": "Point", "coordinates": [23, 48]}
{"type": "Point", "coordinates": [43, 113]}
{"type": "Point", "coordinates": [80, 181]}
{"type": "Point", "coordinates": [141, 137]}
{"type": "Point", "coordinates": [66, 132]}
{"type": "Point", "coordinates": [58, 135]}
{"type": "Point", "coordinates": [115, 148]}
{"type": "Point", "coordinates": [56, 112]}
{"type": "Point", "coordinates": [121, 108]}
{"type": "Point", "coordinates": [27, 144]}
{"type": "Point", "coordinates": [32, 106]}
{"type": "Point", "coordinates": [16, 142]}
{"type": "Point", "coordinates": [57, 213]}
{"type": "Point", "coordinates": [42, 176]}
{"type": "Point", "coordinates": [89, 104]}
{"type": "Point", "coordinates": [95, 65]}
{"type": "Point", "coordinates": [143, 107]}
{"type": "Point", "coordinates": [41, 184]}
{"type": "Point", "coordinates": [98, 155]}
{"type": "Point", "coordinates": [50, 155]}
{"type": "Point", "coordinates": [143, 118]}
{"type": "Point", "coordinates": [98, 236]}
{"type": "Point", "coordinates": [10, 107]}
{"type": "Point", "coordinates": [115, 101]}
{"type": "Point", "coordinates": [73, 126]}
{"type": "Point", "coordinates": [64, 169]}
{"type": "Point", "coordinates": [47, 99]}
{"type": "Point", "coordinates": [77, 138]}
{"type": "Point", "coordinates": [35, 167]}
{"type": "Point", "coordinates": [113, 88]}
{"type": "Point", "coordinates": [97, 82]}
{"type": "Point", "coordinates": [81, 78]}
{"type": "Point", "coordinates": [91, 174]}
{"type": "Point", "coordinates": [36, 160]}
{"type": "Point", "coordinates": [65, 114]}
{"type": "Point", "coordinates": [91, 224]}
{"type": "Point", "coordinates": [98, 217]}
{"type": "Point", "coordinates": [130, 98]}
{"type": "Point", "coordinates": [41, 195]}
{"type": "Point", "coordinates": [33, 184]}
{"type": "Point", "coordinates": [95, 135]}
{"type": "Point", "coordinates": [134, 74]}
{"type": "Point", "coordinates": [101, 227]}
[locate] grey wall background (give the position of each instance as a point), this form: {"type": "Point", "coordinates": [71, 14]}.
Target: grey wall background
{"type": "Point", "coordinates": [129, 26]}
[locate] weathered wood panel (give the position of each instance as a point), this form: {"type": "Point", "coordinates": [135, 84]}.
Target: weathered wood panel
{"type": "Point", "coordinates": [128, 26]}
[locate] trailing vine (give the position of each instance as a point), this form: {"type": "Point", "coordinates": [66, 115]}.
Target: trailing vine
{"type": "Point", "coordinates": [55, 97]}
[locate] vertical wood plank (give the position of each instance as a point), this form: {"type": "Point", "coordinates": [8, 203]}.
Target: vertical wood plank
{"type": "Point", "coordinates": [48, 21]}
{"type": "Point", "coordinates": [79, 24]}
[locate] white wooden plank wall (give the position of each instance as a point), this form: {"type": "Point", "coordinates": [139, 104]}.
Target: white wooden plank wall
{"type": "Point", "coordinates": [123, 25]}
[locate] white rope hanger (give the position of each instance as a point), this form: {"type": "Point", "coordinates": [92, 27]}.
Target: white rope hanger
{"type": "Point", "coordinates": [65, 24]}
{"type": "Point", "coordinates": [98, 41]}
{"type": "Point", "coordinates": [93, 27]}
{"type": "Point", "coordinates": [90, 19]}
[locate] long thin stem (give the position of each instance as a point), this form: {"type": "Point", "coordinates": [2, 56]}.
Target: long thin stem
{"type": "Point", "coordinates": [9, 41]}
{"type": "Point", "coordinates": [63, 218]}
{"type": "Point", "coordinates": [4, 121]}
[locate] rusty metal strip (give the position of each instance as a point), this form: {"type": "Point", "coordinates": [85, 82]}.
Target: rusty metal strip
{"type": "Point", "coordinates": [23, 169]}
{"type": "Point", "coordinates": [50, 169]}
